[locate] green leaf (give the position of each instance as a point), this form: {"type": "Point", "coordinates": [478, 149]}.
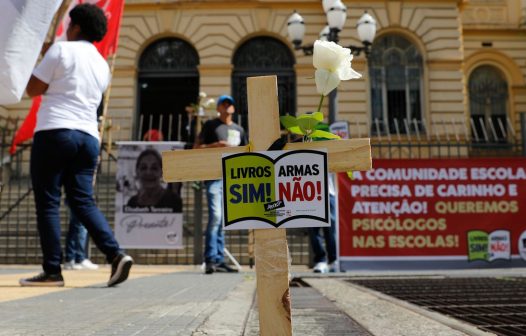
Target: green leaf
{"type": "Point", "coordinates": [291, 124]}
{"type": "Point", "coordinates": [295, 130]}
{"type": "Point", "coordinates": [288, 121]}
{"type": "Point", "coordinates": [316, 115]}
{"type": "Point", "coordinates": [323, 134]}
{"type": "Point", "coordinates": [308, 124]}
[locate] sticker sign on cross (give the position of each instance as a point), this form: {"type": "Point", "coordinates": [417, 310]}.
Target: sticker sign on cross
{"type": "Point", "coordinates": [285, 189]}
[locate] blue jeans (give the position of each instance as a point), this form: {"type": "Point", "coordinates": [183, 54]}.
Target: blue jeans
{"type": "Point", "coordinates": [76, 240]}
{"type": "Point", "coordinates": [329, 233]}
{"type": "Point", "coordinates": [214, 236]}
{"type": "Point", "coordinates": [69, 158]}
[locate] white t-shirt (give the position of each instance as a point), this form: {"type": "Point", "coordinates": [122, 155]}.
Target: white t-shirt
{"type": "Point", "coordinates": [77, 76]}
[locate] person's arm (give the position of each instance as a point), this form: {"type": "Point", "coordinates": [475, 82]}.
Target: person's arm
{"type": "Point", "coordinates": [36, 87]}
{"type": "Point", "coordinates": [44, 72]}
{"type": "Point", "coordinates": [197, 143]}
{"type": "Point", "coordinates": [200, 142]}
{"type": "Point", "coordinates": [220, 143]}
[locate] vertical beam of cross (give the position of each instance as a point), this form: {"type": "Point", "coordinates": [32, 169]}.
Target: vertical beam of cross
{"type": "Point", "coordinates": [271, 250]}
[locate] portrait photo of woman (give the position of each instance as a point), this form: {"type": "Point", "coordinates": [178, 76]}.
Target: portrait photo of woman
{"type": "Point", "coordinates": [151, 191]}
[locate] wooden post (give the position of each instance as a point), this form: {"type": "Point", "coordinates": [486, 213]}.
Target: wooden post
{"type": "Point", "coordinates": [271, 250]}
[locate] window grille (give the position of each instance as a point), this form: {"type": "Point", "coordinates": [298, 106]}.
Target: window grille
{"type": "Point", "coordinates": [168, 82]}
{"type": "Point", "coordinates": [261, 56]}
{"type": "Point", "coordinates": [488, 100]}
{"type": "Point", "coordinates": [395, 70]}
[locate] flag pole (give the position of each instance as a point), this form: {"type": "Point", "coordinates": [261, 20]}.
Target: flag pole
{"type": "Point", "coordinates": [102, 118]}
{"type": "Point", "coordinates": [106, 101]}
{"type": "Point", "coordinates": [102, 126]}
{"type": "Point", "coordinates": [58, 17]}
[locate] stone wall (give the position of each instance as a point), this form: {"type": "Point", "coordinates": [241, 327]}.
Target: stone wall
{"type": "Point", "coordinates": [448, 33]}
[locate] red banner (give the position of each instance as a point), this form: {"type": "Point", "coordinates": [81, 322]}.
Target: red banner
{"type": "Point", "coordinates": [444, 209]}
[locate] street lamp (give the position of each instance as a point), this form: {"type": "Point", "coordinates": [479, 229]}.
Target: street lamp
{"type": "Point", "coordinates": [336, 13]}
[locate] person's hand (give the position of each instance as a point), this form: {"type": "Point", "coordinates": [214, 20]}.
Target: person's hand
{"type": "Point", "coordinates": [218, 144]}
{"type": "Point", "coordinates": [221, 143]}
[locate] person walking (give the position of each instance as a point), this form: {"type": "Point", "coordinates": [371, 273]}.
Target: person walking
{"type": "Point", "coordinates": [72, 77]}
{"type": "Point", "coordinates": [76, 243]}
{"type": "Point", "coordinates": [325, 257]}
{"type": "Point", "coordinates": [218, 132]}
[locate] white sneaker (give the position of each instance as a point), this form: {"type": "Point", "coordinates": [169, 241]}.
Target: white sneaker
{"type": "Point", "coordinates": [334, 267]}
{"type": "Point", "coordinates": [69, 265]}
{"type": "Point", "coordinates": [321, 267]}
{"type": "Point", "coordinates": [87, 264]}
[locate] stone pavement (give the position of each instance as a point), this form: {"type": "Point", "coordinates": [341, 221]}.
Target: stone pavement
{"type": "Point", "coordinates": [179, 300]}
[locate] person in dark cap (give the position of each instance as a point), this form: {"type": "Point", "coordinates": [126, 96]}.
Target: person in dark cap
{"type": "Point", "coordinates": [219, 132]}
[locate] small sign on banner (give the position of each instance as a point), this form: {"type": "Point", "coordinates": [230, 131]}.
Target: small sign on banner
{"type": "Point", "coordinates": [275, 189]}
{"type": "Point", "coordinates": [341, 129]}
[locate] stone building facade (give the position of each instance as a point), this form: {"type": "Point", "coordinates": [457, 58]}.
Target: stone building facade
{"type": "Point", "coordinates": [432, 63]}
{"type": "Point", "coordinates": [439, 70]}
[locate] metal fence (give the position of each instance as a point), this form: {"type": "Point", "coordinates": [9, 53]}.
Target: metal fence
{"type": "Point", "coordinates": [19, 242]}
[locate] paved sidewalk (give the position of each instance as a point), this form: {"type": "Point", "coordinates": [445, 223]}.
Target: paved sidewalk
{"type": "Point", "coordinates": [177, 300]}
{"type": "Point", "coordinates": [158, 303]}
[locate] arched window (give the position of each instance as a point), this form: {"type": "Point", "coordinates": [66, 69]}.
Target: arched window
{"type": "Point", "coordinates": [263, 56]}
{"type": "Point", "coordinates": [395, 69]}
{"type": "Point", "coordinates": [488, 100]}
{"type": "Point", "coordinates": [168, 82]}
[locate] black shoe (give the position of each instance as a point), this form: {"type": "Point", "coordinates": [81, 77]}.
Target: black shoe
{"type": "Point", "coordinates": [210, 268]}
{"type": "Point", "coordinates": [120, 269]}
{"type": "Point", "coordinates": [43, 280]}
{"type": "Point", "coordinates": [224, 268]}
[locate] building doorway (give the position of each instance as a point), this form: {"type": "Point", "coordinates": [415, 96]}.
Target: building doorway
{"type": "Point", "coordinates": [264, 56]}
{"type": "Point", "coordinates": [168, 82]}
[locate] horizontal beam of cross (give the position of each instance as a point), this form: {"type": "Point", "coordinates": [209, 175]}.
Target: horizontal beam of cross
{"type": "Point", "coordinates": [205, 164]}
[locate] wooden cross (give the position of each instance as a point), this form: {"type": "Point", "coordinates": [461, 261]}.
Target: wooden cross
{"type": "Point", "coordinates": [272, 264]}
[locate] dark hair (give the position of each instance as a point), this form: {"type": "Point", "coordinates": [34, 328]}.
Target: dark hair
{"type": "Point", "coordinates": [147, 152]}
{"type": "Point", "coordinates": [91, 20]}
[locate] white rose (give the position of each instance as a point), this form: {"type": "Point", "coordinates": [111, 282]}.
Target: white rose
{"type": "Point", "coordinates": [209, 103]}
{"type": "Point", "coordinates": [333, 64]}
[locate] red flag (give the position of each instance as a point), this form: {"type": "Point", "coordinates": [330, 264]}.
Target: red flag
{"type": "Point", "coordinates": [108, 46]}
{"type": "Point", "coordinates": [113, 10]}
{"type": "Point", "coordinates": [27, 129]}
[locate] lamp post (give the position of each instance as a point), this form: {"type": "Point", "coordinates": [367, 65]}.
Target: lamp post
{"type": "Point", "coordinates": [336, 13]}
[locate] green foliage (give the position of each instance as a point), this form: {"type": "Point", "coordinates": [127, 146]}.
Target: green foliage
{"type": "Point", "coordinates": [307, 125]}
{"type": "Point", "coordinates": [323, 134]}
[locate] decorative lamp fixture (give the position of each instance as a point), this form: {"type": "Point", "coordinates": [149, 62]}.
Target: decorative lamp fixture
{"type": "Point", "coordinates": [324, 34]}
{"type": "Point", "coordinates": [327, 4]}
{"type": "Point", "coordinates": [337, 15]}
{"type": "Point", "coordinates": [296, 29]}
{"type": "Point", "coordinates": [366, 27]}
